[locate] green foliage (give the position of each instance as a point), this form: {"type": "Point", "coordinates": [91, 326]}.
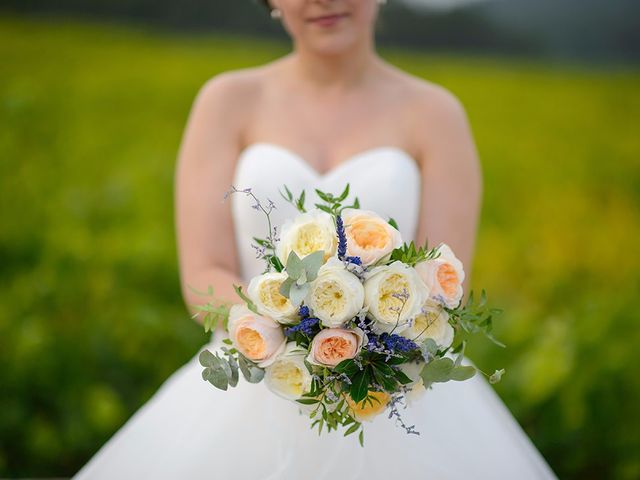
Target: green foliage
{"type": "Point", "coordinates": [475, 318]}
{"type": "Point", "coordinates": [298, 202]}
{"type": "Point", "coordinates": [407, 253]}
{"type": "Point", "coordinates": [87, 261]}
{"type": "Point", "coordinates": [333, 204]}
{"type": "Point", "coordinates": [300, 272]}
{"type": "Point", "coordinates": [222, 372]}
{"type": "Point", "coordinates": [443, 369]}
{"type": "Point", "coordinates": [331, 410]}
{"type": "Point", "coordinates": [214, 315]}
{"type": "Point", "coordinates": [250, 305]}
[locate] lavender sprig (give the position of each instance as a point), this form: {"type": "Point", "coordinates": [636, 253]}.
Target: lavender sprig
{"type": "Point", "coordinates": [342, 244]}
{"type": "Point", "coordinates": [394, 412]}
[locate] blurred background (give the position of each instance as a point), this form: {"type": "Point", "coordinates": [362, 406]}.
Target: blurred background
{"type": "Point", "coordinates": [94, 96]}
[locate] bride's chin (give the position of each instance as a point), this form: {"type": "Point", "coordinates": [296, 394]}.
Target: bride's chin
{"type": "Point", "coordinates": [330, 46]}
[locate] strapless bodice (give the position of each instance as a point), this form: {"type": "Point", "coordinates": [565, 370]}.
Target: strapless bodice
{"type": "Point", "coordinates": [386, 179]}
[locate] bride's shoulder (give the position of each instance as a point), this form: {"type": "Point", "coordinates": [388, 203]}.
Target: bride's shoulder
{"type": "Point", "coordinates": [232, 91]}
{"type": "Point", "coordinates": [428, 99]}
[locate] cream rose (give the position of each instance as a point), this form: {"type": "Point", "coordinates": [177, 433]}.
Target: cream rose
{"type": "Point", "coordinates": [336, 295]}
{"type": "Point", "coordinates": [307, 233]}
{"type": "Point", "coordinates": [264, 290]}
{"type": "Point", "coordinates": [382, 287]}
{"type": "Point", "coordinates": [287, 376]}
{"type": "Point", "coordinates": [333, 345]}
{"type": "Point", "coordinates": [367, 411]}
{"type": "Point", "coordinates": [431, 322]}
{"type": "Point", "coordinates": [369, 236]}
{"type": "Point", "coordinates": [257, 337]}
{"type": "Point", "coordinates": [444, 276]}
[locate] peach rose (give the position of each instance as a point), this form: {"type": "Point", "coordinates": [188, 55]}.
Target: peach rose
{"type": "Point", "coordinates": [369, 236]}
{"type": "Point", "coordinates": [444, 276]}
{"type": "Point", "coordinates": [333, 345]}
{"type": "Point", "coordinates": [367, 411]}
{"type": "Point", "coordinates": [257, 337]}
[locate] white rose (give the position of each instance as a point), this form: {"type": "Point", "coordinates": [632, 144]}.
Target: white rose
{"type": "Point", "coordinates": [444, 276]}
{"type": "Point", "coordinates": [369, 236]}
{"type": "Point", "coordinates": [307, 233]}
{"type": "Point", "coordinates": [431, 322]}
{"type": "Point", "coordinates": [382, 287]}
{"type": "Point", "coordinates": [287, 376]}
{"type": "Point", "coordinates": [257, 337]}
{"type": "Point", "coordinates": [336, 295]}
{"type": "Point", "coordinates": [264, 291]}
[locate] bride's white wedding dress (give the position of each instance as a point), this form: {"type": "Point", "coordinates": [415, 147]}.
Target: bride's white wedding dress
{"type": "Point", "coordinates": [191, 430]}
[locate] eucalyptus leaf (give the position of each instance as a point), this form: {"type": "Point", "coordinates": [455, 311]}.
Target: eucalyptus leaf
{"type": "Point", "coordinates": [312, 264]}
{"type": "Point", "coordinates": [297, 293]}
{"type": "Point", "coordinates": [233, 365]}
{"type": "Point", "coordinates": [462, 373]}
{"type": "Point", "coordinates": [294, 267]}
{"type": "Point", "coordinates": [438, 370]}
{"type": "Point", "coordinates": [429, 346]}
{"type": "Point", "coordinates": [216, 376]}
{"type": "Point", "coordinates": [302, 279]}
{"type": "Point", "coordinates": [285, 287]}
{"type": "Point", "coordinates": [251, 372]}
{"type": "Point", "coordinates": [206, 358]}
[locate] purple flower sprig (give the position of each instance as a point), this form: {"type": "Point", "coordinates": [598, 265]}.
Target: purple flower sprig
{"type": "Point", "coordinates": [397, 343]}
{"type": "Point", "coordinates": [262, 245]}
{"type": "Point", "coordinates": [342, 243]}
{"type": "Point", "coordinates": [306, 326]}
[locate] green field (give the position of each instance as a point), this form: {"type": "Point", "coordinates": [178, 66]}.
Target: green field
{"type": "Point", "coordinates": [91, 318]}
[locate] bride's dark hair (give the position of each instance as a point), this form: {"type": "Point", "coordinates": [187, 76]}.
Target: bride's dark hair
{"type": "Point", "coordinates": [266, 4]}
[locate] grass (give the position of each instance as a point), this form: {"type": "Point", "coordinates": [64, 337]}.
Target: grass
{"type": "Point", "coordinates": [91, 318]}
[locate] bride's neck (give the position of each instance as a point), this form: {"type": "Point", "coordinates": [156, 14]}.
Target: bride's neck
{"type": "Point", "coordinates": [341, 70]}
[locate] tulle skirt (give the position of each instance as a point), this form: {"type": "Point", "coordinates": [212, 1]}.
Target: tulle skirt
{"type": "Point", "coordinates": [191, 430]}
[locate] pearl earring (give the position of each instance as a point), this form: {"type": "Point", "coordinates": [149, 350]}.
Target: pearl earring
{"type": "Point", "coordinates": [275, 13]}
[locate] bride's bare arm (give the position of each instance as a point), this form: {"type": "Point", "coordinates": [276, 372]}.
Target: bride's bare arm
{"type": "Point", "coordinates": [205, 238]}
{"type": "Point", "coordinates": [451, 178]}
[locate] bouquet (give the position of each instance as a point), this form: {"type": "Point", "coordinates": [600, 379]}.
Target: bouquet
{"type": "Point", "coordinates": [347, 320]}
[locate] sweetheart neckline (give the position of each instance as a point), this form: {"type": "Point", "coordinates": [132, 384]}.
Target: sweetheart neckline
{"type": "Point", "coordinates": [339, 166]}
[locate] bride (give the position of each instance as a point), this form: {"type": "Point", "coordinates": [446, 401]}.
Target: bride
{"type": "Point", "coordinates": [330, 112]}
